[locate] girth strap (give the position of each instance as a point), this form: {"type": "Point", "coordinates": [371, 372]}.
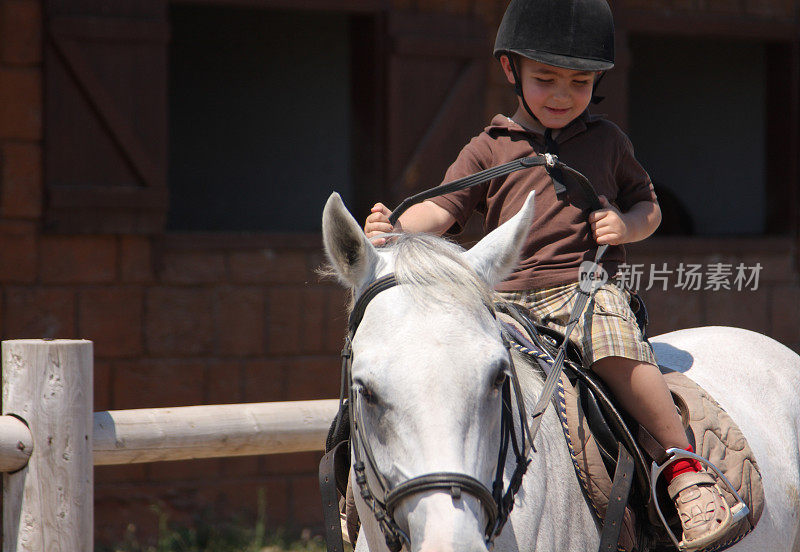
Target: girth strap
{"type": "Point", "coordinates": [620, 491]}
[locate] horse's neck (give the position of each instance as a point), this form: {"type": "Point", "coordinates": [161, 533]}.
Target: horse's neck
{"type": "Point", "coordinates": [552, 513]}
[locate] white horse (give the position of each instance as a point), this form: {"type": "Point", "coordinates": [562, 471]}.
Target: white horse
{"type": "Point", "coordinates": [427, 358]}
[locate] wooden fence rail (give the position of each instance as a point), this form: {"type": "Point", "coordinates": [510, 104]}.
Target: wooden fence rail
{"type": "Point", "coordinates": [50, 439]}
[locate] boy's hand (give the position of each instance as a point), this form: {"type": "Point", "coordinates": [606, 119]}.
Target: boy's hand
{"type": "Point", "coordinates": [378, 223]}
{"type": "Point", "coordinates": [608, 224]}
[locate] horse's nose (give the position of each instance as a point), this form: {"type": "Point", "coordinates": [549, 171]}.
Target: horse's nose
{"type": "Point", "coordinates": [454, 530]}
{"type": "Point", "coordinates": [439, 523]}
{"type": "Point", "coordinates": [454, 546]}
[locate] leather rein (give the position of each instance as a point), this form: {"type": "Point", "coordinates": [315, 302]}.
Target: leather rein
{"type": "Point", "coordinates": [496, 502]}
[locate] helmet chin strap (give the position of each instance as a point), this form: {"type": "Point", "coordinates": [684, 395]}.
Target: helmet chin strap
{"type": "Point", "coordinates": [518, 88]}
{"type": "Point", "coordinates": [595, 98]}
{"type": "Point", "coordinates": [551, 146]}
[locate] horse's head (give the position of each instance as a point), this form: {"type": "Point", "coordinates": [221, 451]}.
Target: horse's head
{"type": "Point", "coordinates": [428, 364]}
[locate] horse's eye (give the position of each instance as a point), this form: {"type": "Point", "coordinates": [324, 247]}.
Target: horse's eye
{"type": "Point", "coordinates": [367, 394]}
{"type": "Point", "coordinates": [500, 378]}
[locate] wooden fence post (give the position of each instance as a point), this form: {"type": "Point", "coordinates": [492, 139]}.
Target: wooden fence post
{"type": "Point", "coordinates": [49, 504]}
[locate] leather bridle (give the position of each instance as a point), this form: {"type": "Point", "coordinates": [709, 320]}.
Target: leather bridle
{"type": "Point", "coordinates": [497, 502]}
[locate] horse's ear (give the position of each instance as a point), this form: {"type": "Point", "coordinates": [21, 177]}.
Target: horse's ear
{"type": "Point", "coordinates": [497, 254]}
{"type": "Point", "coordinates": [350, 252]}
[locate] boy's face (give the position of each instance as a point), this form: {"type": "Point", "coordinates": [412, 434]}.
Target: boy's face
{"type": "Point", "coordinates": [555, 95]}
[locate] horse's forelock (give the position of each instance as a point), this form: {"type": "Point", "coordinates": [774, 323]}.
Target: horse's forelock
{"type": "Point", "coordinates": [432, 268]}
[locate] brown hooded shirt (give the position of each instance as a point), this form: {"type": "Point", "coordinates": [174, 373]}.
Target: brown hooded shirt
{"type": "Point", "coordinates": [560, 238]}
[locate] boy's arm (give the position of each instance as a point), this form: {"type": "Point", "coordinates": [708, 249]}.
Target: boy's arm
{"type": "Point", "coordinates": [613, 227]}
{"type": "Point", "coordinates": [422, 217]}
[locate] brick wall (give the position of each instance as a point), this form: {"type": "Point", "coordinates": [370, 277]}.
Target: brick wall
{"type": "Point", "coordinates": [211, 322]}
{"type": "Point", "coordinates": [182, 320]}
{"type": "Point", "coordinates": [771, 307]}
{"type": "Point", "coordinates": [20, 139]}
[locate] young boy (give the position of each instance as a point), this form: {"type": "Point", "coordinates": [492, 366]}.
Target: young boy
{"type": "Point", "coordinates": [553, 52]}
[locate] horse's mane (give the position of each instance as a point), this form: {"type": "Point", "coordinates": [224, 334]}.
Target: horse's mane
{"type": "Point", "coordinates": [433, 269]}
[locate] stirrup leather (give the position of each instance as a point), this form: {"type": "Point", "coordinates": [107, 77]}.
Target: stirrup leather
{"type": "Point", "coordinates": [738, 512]}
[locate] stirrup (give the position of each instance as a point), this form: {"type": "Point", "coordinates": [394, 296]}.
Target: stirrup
{"type": "Point", "coordinates": [738, 512]}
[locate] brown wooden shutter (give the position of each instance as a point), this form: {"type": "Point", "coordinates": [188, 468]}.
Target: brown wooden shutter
{"type": "Point", "coordinates": [106, 115]}
{"type": "Point", "coordinates": [436, 81]}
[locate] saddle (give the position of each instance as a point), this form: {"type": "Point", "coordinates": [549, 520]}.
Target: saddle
{"type": "Point", "coordinates": [599, 433]}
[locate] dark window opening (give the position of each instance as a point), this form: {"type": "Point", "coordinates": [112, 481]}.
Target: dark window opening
{"type": "Point", "coordinates": [260, 118]}
{"type": "Point", "coordinates": [700, 119]}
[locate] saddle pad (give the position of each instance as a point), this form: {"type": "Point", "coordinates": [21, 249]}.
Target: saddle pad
{"type": "Point", "coordinates": [717, 437]}
{"type": "Point", "coordinates": [720, 440]}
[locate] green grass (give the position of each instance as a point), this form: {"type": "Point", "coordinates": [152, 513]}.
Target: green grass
{"type": "Point", "coordinates": [219, 538]}
{"type": "Point", "coordinates": [209, 534]}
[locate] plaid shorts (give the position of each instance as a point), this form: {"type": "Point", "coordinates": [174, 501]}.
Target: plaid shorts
{"type": "Point", "coordinates": [608, 327]}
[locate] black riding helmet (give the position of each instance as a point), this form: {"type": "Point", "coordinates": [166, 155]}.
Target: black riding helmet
{"type": "Point", "coordinates": [573, 34]}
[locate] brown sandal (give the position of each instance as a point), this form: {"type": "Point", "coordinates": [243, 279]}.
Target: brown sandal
{"type": "Point", "coordinates": [705, 515]}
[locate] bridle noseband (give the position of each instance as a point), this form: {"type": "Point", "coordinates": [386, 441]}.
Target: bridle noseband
{"type": "Point", "coordinates": [496, 502]}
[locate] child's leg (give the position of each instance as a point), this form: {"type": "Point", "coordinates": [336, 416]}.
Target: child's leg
{"type": "Point", "coordinates": [643, 392]}
{"type": "Point", "coordinates": [641, 389]}
{"type": "Point", "coordinates": [625, 361]}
